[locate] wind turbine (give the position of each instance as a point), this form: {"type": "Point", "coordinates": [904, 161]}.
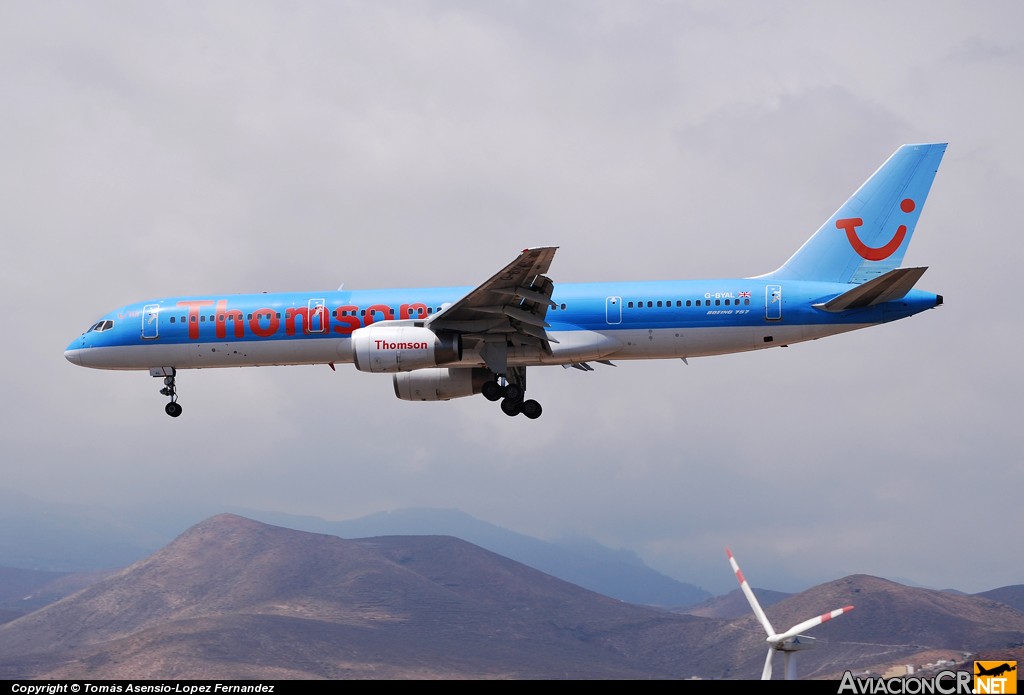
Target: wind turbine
{"type": "Point", "coordinates": [790, 641]}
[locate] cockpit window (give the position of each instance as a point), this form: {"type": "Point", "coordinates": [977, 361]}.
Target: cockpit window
{"type": "Point", "coordinates": [101, 326]}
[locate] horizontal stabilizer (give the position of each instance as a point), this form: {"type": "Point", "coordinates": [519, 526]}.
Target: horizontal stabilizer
{"type": "Point", "coordinates": [893, 285]}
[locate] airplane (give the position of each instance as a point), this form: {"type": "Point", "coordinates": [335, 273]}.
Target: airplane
{"type": "Point", "coordinates": [996, 671]}
{"type": "Point", "coordinates": [453, 342]}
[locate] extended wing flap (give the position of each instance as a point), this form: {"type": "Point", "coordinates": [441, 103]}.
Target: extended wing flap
{"type": "Point", "coordinates": [892, 285]}
{"type": "Point", "coordinates": [515, 299]}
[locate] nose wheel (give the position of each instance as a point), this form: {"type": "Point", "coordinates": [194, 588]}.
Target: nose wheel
{"type": "Point", "coordinates": [170, 389]}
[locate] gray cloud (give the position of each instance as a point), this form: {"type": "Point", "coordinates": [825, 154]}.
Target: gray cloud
{"type": "Point", "coordinates": [163, 149]}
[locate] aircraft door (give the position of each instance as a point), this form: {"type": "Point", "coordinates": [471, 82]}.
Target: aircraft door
{"type": "Point", "coordinates": [613, 310]}
{"type": "Point", "coordinates": [773, 302]}
{"type": "Point", "coordinates": [151, 322]}
{"type": "Point", "coordinates": [317, 316]}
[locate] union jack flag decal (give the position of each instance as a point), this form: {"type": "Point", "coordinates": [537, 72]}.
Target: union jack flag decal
{"type": "Point", "coordinates": [744, 294]}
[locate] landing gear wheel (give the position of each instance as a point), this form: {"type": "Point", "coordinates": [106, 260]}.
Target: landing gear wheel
{"type": "Point", "coordinates": [514, 392]}
{"type": "Point", "coordinates": [511, 407]}
{"type": "Point", "coordinates": [492, 390]}
{"type": "Point", "coordinates": [170, 388]}
{"type": "Point", "coordinates": [531, 409]}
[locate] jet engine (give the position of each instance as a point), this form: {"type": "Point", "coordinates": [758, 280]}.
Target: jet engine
{"type": "Point", "coordinates": [403, 348]}
{"type": "Point", "coordinates": [441, 384]}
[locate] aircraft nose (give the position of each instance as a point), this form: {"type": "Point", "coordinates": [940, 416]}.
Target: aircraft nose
{"type": "Point", "coordinates": [73, 353]}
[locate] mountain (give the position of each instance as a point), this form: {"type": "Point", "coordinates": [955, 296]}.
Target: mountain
{"type": "Point", "coordinates": [620, 574]}
{"type": "Point", "coordinates": [19, 590]}
{"type": "Point", "coordinates": [235, 598]}
{"type": "Point", "coordinates": [16, 583]}
{"type": "Point", "coordinates": [49, 536]}
{"type": "Point", "coordinates": [1012, 596]}
{"type": "Point", "coordinates": [891, 624]}
{"type": "Point", "coordinates": [733, 605]}
{"type": "Point", "coordinates": [40, 535]}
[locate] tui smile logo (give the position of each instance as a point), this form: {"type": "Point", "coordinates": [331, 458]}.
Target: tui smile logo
{"type": "Point", "coordinates": [850, 224]}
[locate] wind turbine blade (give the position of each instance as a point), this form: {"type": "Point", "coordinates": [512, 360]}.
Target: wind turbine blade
{"type": "Point", "coordinates": [808, 624]}
{"type": "Point", "coordinates": [752, 600]}
{"type": "Point", "coordinates": [766, 673]}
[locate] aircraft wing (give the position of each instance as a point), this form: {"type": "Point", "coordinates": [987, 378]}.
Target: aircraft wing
{"type": "Point", "coordinates": [510, 307]}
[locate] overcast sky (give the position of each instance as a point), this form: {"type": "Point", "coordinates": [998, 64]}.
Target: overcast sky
{"type": "Point", "coordinates": [153, 149]}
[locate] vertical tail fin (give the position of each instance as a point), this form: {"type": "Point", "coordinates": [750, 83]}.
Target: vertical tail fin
{"type": "Point", "coordinates": [869, 235]}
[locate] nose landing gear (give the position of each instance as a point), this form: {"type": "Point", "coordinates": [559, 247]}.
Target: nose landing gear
{"type": "Point", "coordinates": [169, 389]}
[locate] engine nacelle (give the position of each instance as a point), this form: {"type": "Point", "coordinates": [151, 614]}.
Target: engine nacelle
{"type": "Point", "coordinates": [403, 348]}
{"type": "Point", "coordinates": [440, 384]}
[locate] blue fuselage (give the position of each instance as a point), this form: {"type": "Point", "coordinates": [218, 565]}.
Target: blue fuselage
{"type": "Point", "coordinates": [609, 320]}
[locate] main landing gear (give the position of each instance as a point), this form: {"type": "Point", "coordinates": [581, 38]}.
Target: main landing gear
{"type": "Point", "coordinates": [169, 389]}
{"type": "Point", "coordinates": [511, 396]}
